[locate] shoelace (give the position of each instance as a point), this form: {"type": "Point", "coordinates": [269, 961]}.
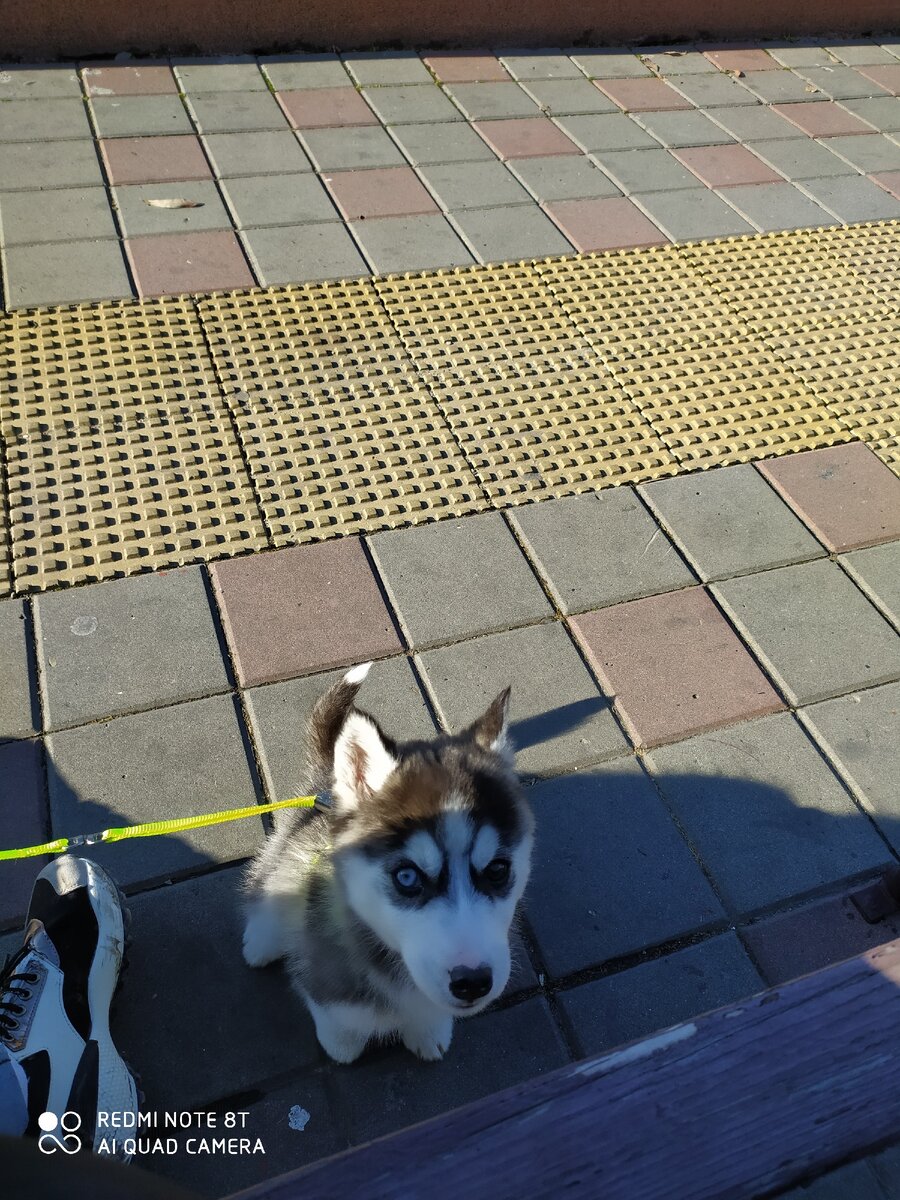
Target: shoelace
{"type": "Point", "coordinates": [10, 988]}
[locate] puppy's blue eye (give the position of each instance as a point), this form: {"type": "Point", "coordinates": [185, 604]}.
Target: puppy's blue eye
{"type": "Point", "coordinates": [497, 871]}
{"type": "Point", "coordinates": [407, 880]}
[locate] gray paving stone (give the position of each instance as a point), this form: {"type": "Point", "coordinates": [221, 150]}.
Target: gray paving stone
{"type": "Point", "coordinates": [754, 123]}
{"type": "Point", "coordinates": [294, 253]}
{"type": "Point", "coordinates": [181, 1019]}
{"type": "Point", "coordinates": [773, 206]}
{"type": "Point", "coordinates": [495, 1050]}
{"type": "Point", "coordinates": [482, 101]}
{"type": "Point", "coordinates": [611, 875]}
{"type": "Point", "coordinates": [290, 72]}
{"type": "Point", "coordinates": [279, 713]}
{"type": "Point", "coordinates": [474, 185]}
{"type": "Point", "coordinates": [235, 74]}
{"type": "Point", "coordinates": [801, 158]}
{"type": "Point", "coordinates": [877, 570]}
{"type": "Point", "coordinates": [563, 177]}
{"type": "Point", "coordinates": [599, 549]}
{"type": "Point", "coordinates": [859, 735]}
{"type": "Point", "coordinates": [423, 144]}
{"type": "Point", "coordinates": [561, 96]}
{"type": "Point", "coordinates": [38, 82]}
{"type": "Point", "coordinates": [126, 644]}
{"type": "Point", "coordinates": [560, 718]}
{"type": "Point", "coordinates": [500, 234]}
{"type": "Point", "coordinates": [43, 120]}
{"type": "Point", "coordinates": [23, 822]}
{"type": "Point", "coordinates": [714, 91]}
{"type": "Point", "coordinates": [609, 64]}
{"type": "Point", "coordinates": [826, 637]}
{"type": "Point", "coordinates": [883, 112]}
{"type": "Point", "coordinates": [278, 200]}
{"type": "Point", "coordinates": [135, 116]}
{"type": "Point", "coordinates": [458, 578]}
{"type": "Point", "coordinates": [265, 153]}
{"type": "Point", "coordinates": [810, 55]}
{"type": "Point", "coordinates": [411, 104]}
{"type": "Point", "coordinates": [852, 198]}
{"type": "Point", "coordinates": [47, 275]}
{"type": "Point", "coordinates": [18, 703]}
{"type": "Point", "coordinates": [647, 170]}
{"type": "Point", "coordinates": [57, 215]}
{"type": "Point", "coordinates": [684, 128]}
{"type": "Point", "coordinates": [352, 147]}
{"type": "Point", "coordinates": [780, 87]}
{"type": "Point", "coordinates": [632, 1004]}
{"type": "Point", "coordinates": [690, 213]}
{"type": "Point", "coordinates": [138, 217]}
{"type": "Point", "coordinates": [170, 762]}
{"type": "Point", "coordinates": [729, 521]}
{"type": "Point", "coordinates": [25, 166]}
{"type": "Point", "coordinates": [672, 61]}
{"type": "Point", "coordinates": [235, 112]}
{"type": "Point", "coordinates": [765, 813]}
{"type": "Point", "coordinates": [840, 83]}
{"type": "Point", "coordinates": [862, 53]}
{"type": "Point", "coordinates": [868, 152]}
{"type": "Point", "coordinates": [387, 67]}
{"type": "Point", "coordinates": [618, 131]}
{"type": "Point", "coordinates": [540, 64]}
{"type": "Point", "coordinates": [415, 243]}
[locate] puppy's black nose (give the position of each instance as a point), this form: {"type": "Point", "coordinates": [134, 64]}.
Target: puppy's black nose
{"type": "Point", "coordinates": [470, 983]}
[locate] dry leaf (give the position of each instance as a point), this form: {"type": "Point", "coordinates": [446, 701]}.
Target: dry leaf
{"type": "Point", "coordinates": [736, 74]}
{"type": "Point", "coordinates": [675, 53]}
{"type": "Point", "coordinates": [810, 87]}
{"type": "Point", "coordinates": [174, 203]}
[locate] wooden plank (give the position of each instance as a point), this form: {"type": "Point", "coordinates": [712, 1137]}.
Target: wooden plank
{"type": "Point", "coordinates": [744, 1101]}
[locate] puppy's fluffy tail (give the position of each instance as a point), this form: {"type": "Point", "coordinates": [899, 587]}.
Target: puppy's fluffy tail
{"type": "Point", "coordinates": [326, 722]}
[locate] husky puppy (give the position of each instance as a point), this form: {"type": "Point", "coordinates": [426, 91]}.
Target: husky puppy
{"type": "Point", "coordinates": [392, 906]}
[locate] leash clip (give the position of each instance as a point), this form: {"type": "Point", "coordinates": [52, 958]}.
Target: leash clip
{"type": "Point", "coordinates": [86, 839]}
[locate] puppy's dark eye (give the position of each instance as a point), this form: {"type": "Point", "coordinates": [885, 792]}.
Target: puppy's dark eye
{"type": "Point", "coordinates": [497, 871]}
{"type": "Point", "coordinates": [407, 880]}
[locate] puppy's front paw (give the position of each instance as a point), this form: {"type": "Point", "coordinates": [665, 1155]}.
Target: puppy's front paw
{"type": "Point", "coordinates": [431, 1042]}
{"type": "Point", "coordinates": [261, 941]}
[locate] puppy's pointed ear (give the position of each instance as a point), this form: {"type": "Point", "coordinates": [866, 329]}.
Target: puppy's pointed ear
{"type": "Point", "coordinates": [363, 760]}
{"type": "Point", "coordinates": [491, 730]}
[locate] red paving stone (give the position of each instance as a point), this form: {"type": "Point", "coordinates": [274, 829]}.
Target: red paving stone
{"type": "Point", "coordinates": [305, 609]}
{"type": "Point", "coordinates": [642, 95]}
{"type": "Point", "coordinates": [169, 263]}
{"type": "Point", "coordinates": [821, 118]}
{"type": "Point", "coordinates": [130, 81]}
{"type": "Point", "coordinates": [845, 494]}
{"type": "Point", "coordinates": [608, 224]}
{"type": "Point", "coordinates": [154, 159]}
{"type": "Point", "coordinates": [525, 137]}
{"type": "Point", "coordinates": [890, 181]}
{"type": "Point", "coordinates": [387, 192]}
{"type": "Point", "coordinates": [326, 108]}
{"type": "Point", "coordinates": [742, 60]}
{"type": "Point", "coordinates": [22, 822]}
{"type": "Point", "coordinates": [452, 67]}
{"type": "Point", "coordinates": [887, 77]}
{"type": "Point", "coordinates": [674, 665]}
{"type": "Point", "coordinates": [726, 166]}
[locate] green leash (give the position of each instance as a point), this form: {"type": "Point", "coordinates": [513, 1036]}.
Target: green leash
{"type": "Point", "coordinates": [156, 828]}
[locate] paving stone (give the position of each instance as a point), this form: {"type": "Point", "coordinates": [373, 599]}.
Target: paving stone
{"type": "Point", "coordinates": [840, 83]}
{"type": "Point", "coordinates": [425, 144]}
{"type": "Point", "coordinates": [560, 719]}
{"type": "Point", "coordinates": [38, 82]}
{"type": "Point", "coordinates": [729, 521]}
{"type": "Point", "coordinates": [36, 275]}
{"type": "Point", "coordinates": [325, 108]}
{"type": "Point", "coordinates": [43, 120]}
{"type": "Point", "coordinates": [138, 217]}
{"type": "Point", "coordinates": [126, 644]}
{"type": "Point", "coordinates": [724, 166]}
{"type": "Point", "coordinates": [289, 72]}
{"type": "Point", "coordinates": [604, 224]}
{"type": "Point", "coordinates": [868, 152]}
{"type": "Point", "coordinates": [474, 66]}
{"type": "Point", "coordinates": [801, 158]}
{"type": "Point", "coordinates": [383, 192]}
{"type": "Point", "coordinates": [882, 113]}
{"type": "Point", "coordinates": [475, 185]}
{"type": "Point", "coordinates": [145, 79]}
{"type": "Point", "coordinates": [167, 264]}
{"type": "Point", "coordinates": [295, 253]}
{"type": "Point", "coordinates": [278, 200]}
{"type": "Point", "coordinates": [489, 101]}
{"type": "Point", "coordinates": [800, 55]}
{"type": "Point", "coordinates": [489, 1052]}
{"type": "Point", "coordinates": [19, 716]}
{"type": "Point", "coordinates": [684, 128]}
{"type": "Point", "coordinates": [232, 112]}
{"type": "Point", "coordinates": [859, 734]}
{"type": "Point", "coordinates": [182, 1018]}
{"type": "Point", "coordinates": [765, 813]}
{"type": "Point", "coordinates": [691, 213]}
{"type": "Point", "coordinates": [675, 666]}
{"type": "Point", "coordinates": [411, 243]}
{"type": "Point", "coordinates": [852, 198]}
{"type": "Point", "coordinates": [773, 206]}
{"type": "Point", "coordinates": [557, 97]}
{"type": "Point", "coordinates": [877, 570]}
{"type": "Point", "coordinates": [671, 61]}
{"type": "Point", "coordinates": [754, 123]}
{"type": "Point", "coordinates": [458, 578]}
{"type": "Point", "coordinates": [855, 1179]}
{"type": "Point", "coordinates": [712, 91]}
{"type": "Point", "coordinates": [23, 822]}
{"type": "Point", "coordinates": [502, 234]}
{"type": "Point", "coordinates": [352, 147]}
{"type": "Point", "coordinates": [821, 118]}
{"type": "Point", "coordinates": [170, 762]}
{"type": "Point", "coordinates": [264, 153]}
{"type": "Point", "coordinates": [563, 177]}
{"type": "Point", "coordinates": [646, 170]}
{"type": "Point", "coordinates": [632, 1004]}
{"type": "Point", "coordinates": [741, 60]}
{"type": "Point", "coordinates": [861, 53]}
{"type": "Point", "coordinates": [224, 76]}
{"type": "Point", "coordinates": [136, 116]}
{"type": "Point", "coordinates": [642, 95]}
{"type": "Point", "coordinates": [599, 549]}
{"type": "Point", "coordinates": [531, 137]}
{"type": "Point", "coordinates": [614, 132]}
{"type": "Point", "coordinates": [540, 64]}
{"type": "Point", "coordinates": [304, 609]}
{"type": "Point", "coordinates": [781, 87]}
{"type": "Point", "coordinates": [610, 64]}
{"type": "Point", "coordinates": [412, 104]}
{"type": "Point", "coordinates": [387, 67]}
{"type": "Point", "coordinates": [279, 713]}
{"type": "Point", "coordinates": [611, 873]}
{"type": "Point", "coordinates": [890, 181]}
{"type": "Point", "coordinates": [57, 215]}
{"type": "Point", "coordinates": [30, 165]}
{"type": "Point", "coordinates": [154, 159]}
{"type": "Point", "coordinates": [826, 639]}
{"type": "Point", "coordinates": [887, 77]}
{"type": "Point", "coordinates": [845, 494]}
